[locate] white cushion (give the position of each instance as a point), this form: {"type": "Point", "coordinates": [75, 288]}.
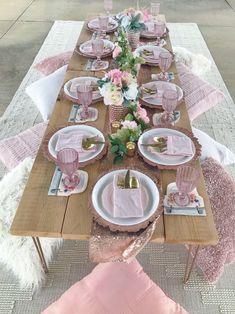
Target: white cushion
{"type": "Point", "coordinates": [44, 92]}
{"type": "Point", "coordinates": [17, 253]}
{"type": "Point", "coordinates": [213, 149]}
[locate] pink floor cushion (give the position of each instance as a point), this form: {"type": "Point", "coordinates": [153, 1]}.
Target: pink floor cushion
{"type": "Point", "coordinates": [15, 149]}
{"type": "Point", "coordinates": [51, 64]}
{"type": "Point", "coordinates": [199, 95]}
{"type": "Point", "coordinates": [115, 288]}
{"type": "Point", "coordinates": [221, 191]}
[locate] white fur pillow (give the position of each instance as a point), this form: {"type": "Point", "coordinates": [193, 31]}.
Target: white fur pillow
{"type": "Point", "coordinates": [44, 92]}
{"type": "Point", "coordinates": [197, 63]}
{"type": "Point", "coordinates": [18, 254]}
{"type": "Point", "coordinates": [213, 149]}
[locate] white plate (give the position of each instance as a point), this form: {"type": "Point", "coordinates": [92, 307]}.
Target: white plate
{"type": "Point", "coordinates": [159, 158]}
{"type": "Point", "coordinates": [81, 79]}
{"type": "Point", "coordinates": [161, 85]}
{"type": "Point", "coordinates": [151, 34]}
{"type": "Point", "coordinates": [94, 25]}
{"type": "Point", "coordinates": [91, 131]}
{"type": "Point", "coordinates": [153, 60]}
{"type": "Point", "coordinates": [103, 184]}
{"type": "Point", "coordinates": [107, 43]}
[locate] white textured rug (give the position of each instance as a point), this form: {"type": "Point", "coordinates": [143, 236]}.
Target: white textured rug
{"type": "Point", "coordinates": [163, 263]}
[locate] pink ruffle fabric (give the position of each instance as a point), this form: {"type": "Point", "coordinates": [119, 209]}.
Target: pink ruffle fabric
{"type": "Point", "coordinates": [51, 64]}
{"type": "Point", "coordinates": [115, 288]}
{"type": "Point", "coordinates": [200, 96]}
{"type": "Point", "coordinates": [221, 191]}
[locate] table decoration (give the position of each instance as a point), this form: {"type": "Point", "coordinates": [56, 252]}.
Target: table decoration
{"type": "Point", "coordinates": [157, 118]}
{"type": "Point", "coordinates": [76, 117]}
{"type": "Point", "coordinates": [70, 88]}
{"type": "Point", "coordinates": [151, 93]}
{"type": "Point", "coordinates": [195, 206]}
{"type": "Point", "coordinates": [85, 49]}
{"type": "Point", "coordinates": [125, 59]}
{"type": "Point", "coordinates": [86, 157]}
{"type": "Point", "coordinates": [57, 187]}
{"type": "Point", "coordinates": [159, 156]}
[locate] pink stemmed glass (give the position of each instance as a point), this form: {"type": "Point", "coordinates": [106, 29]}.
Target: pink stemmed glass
{"type": "Point", "coordinates": [108, 6]}
{"type": "Point", "coordinates": [155, 9]}
{"type": "Point", "coordinates": [165, 60]}
{"type": "Point", "coordinates": [98, 49]}
{"type": "Point", "coordinates": [84, 93]}
{"type": "Point", "coordinates": [159, 30]}
{"type": "Point", "coordinates": [186, 181]}
{"type": "Point", "coordinates": [169, 103]}
{"type": "Point", "coordinates": [103, 24]}
{"type": "Point", "coordinates": [68, 162]}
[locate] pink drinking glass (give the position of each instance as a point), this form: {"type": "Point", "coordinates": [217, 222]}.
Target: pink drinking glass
{"type": "Point", "coordinates": [186, 180]}
{"type": "Point", "coordinates": [159, 30]}
{"type": "Point", "coordinates": [154, 9]}
{"type": "Point", "coordinates": [169, 103]}
{"type": "Point", "coordinates": [68, 162]}
{"type": "Point", "coordinates": [108, 6]}
{"type": "Point", "coordinates": [98, 49]}
{"type": "Point", "coordinates": [165, 60]}
{"type": "Point", "coordinates": [84, 93]}
{"type": "Point", "coordinates": [103, 24]}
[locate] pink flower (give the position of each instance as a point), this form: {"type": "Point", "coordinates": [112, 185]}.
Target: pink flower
{"type": "Point", "coordinates": [117, 51]}
{"type": "Point", "coordinates": [142, 114]}
{"type": "Point", "coordinates": [115, 77]}
{"type": "Point", "coordinates": [146, 16]}
{"type": "Point", "coordinates": [131, 125]}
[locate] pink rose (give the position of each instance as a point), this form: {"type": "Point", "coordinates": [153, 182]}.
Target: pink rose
{"type": "Point", "coordinates": [115, 77]}
{"type": "Point", "coordinates": [146, 16]}
{"type": "Point", "coordinates": [142, 114]}
{"type": "Point", "coordinates": [131, 125]}
{"type": "Point", "coordinates": [117, 51]}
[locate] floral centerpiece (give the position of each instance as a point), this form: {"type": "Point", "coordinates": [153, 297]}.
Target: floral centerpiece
{"type": "Point", "coordinates": [118, 88]}
{"type": "Point", "coordinates": [124, 57]}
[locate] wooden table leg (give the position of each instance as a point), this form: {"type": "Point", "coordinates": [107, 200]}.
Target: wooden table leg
{"type": "Point", "coordinates": [188, 267]}
{"type": "Point", "coordinates": [38, 247]}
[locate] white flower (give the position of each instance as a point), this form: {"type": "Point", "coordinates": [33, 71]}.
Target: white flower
{"type": "Point", "coordinates": [125, 21]}
{"type": "Point", "coordinates": [132, 92]}
{"type": "Point", "coordinates": [112, 95]}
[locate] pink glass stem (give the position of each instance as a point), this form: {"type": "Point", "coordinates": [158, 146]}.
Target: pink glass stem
{"type": "Point", "coordinates": [68, 162]}
{"type": "Point", "coordinates": [84, 93]}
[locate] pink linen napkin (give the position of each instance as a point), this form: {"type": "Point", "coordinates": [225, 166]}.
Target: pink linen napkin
{"type": "Point", "coordinates": [88, 49]}
{"type": "Point", "coordinates": [176, 146]}
{"type": "Point", "coordinates": [72, 140]}
{"type": "Point", "coordinates": [127, 202]}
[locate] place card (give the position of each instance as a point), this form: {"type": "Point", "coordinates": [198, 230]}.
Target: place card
{"type": "Point", "coordinates": [57, 188]}
{"type": "Point", "coordinates": [157, 118]}
{"type": "Point", "coordinates": [90, 65]}
{"type": "Point", "coordinates": [75, 114]}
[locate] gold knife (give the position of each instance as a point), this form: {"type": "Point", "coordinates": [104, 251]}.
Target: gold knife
{"type": "Point", "coordinates": [127, 180]}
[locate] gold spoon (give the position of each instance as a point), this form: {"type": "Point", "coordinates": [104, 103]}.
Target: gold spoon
{"type": "Point", "coordinates": [134, 183]}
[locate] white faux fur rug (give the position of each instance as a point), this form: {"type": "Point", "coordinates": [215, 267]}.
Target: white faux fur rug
{"type": "Point", "coordinates": [163, 263]}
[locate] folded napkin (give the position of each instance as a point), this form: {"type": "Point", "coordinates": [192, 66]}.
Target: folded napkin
{"type": "Point", "coordinates": [176, 146]}
{"type": "Point", "coordinates": [127, 202]}
{"type": "Point", "coordinates": [160, 87]}
{"type": "Point", "coordinates": [95, 24]}
{"type": "Point", "coordinates": [88, 49]}
{"type": "Point", "coordinates": [73, 140]}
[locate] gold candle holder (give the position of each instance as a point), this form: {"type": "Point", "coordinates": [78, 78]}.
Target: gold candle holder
{"type": "Point", "coordinates": [130, 149]}
{"type": "Point", "coordinates": [115, 125]}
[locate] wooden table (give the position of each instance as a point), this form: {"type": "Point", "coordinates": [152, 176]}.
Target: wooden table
{"type": "Point", "coordinates": [40, 215]}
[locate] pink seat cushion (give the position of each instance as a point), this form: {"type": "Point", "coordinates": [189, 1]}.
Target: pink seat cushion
{"type": "Point", "coordinates": [116, 288]}
{"type": "Point", "coordinates": [15, 149]}
{"type": "Point", "coordinates": [221, 192]}
{"type": "Point", "coordinates": [200, 96]}
{"type": "Point", "coordinates": [51, 64]}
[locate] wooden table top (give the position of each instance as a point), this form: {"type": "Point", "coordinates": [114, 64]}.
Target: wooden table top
{"type": "Point", "coordinates": [68, 217]}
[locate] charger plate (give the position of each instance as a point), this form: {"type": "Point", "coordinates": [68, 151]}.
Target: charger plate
{"type": "Point", "coordinates": [101, 203]}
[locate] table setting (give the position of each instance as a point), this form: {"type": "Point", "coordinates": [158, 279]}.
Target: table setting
{"type": "Point", "coordinates": [139, 140]}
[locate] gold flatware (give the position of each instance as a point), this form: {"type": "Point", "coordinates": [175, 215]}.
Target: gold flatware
{"type": "Point", "coordinates": [134, 183]}
{"type": "Point", "coordinates": [89, 143]}
{"type": "Point", "coordinates": [120, 182]}
{"type": "Point", "coordinates": [127, 180]}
